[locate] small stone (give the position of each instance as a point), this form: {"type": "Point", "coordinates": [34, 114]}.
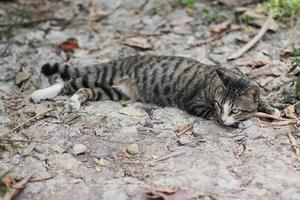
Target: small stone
{"type": "Point", "coordinates": [132, 149]}
{"type": "Point", "coordinates": [184, 140]}
{"type": "Point", "coordinates": [148, 123]}
{"type": "Point", "coordinates": [103, 153]}
{"type": "Point", "coordinates": [79, 149]}
{"type": "Point", "coordinates": [58, 148]}
{"type": "Point", "coordinates": [4, 120]}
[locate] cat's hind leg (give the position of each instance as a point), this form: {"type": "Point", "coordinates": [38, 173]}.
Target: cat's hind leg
{"type": "Point", "coordinates": [47, 93]}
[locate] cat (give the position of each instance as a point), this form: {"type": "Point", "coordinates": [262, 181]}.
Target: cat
{"type": "Point", "coordinates": [201, 90]}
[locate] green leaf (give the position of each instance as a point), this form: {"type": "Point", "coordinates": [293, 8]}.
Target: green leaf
{"type": "Point", "coordinates": [296, 51]}
{"type": "Point", "coordinates": [298, 84]}
{"type": "Point", "coordinates": [295, 64]}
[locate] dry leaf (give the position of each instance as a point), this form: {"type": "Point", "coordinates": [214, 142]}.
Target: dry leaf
{"type": "Point", "coordinates": [290, 112]}
{"type": "Point", "coordinates": [130, 111]}
{"type": "Point", "coordinates": [289, 51]}
{"type": "Point", "coordinates": [268, 70]}
{"type": "Point", "coordinates": [22, 76]}
{"type": "Point", "coordinates": [167, 194]}
{"type": "Point", "coordinates": [95, 15]}
{"type": "Point", "coordinates": [139, 42]}
{"type": "Point", "coordinates": [94, 27]}
{"type": "Point", "coordinates": [16, 188]}
{"type": "Point", "coordinates": [222, 26]}
{"type": "Point", "coordinates": [100, 162]}
{"type": "Point", "coordinates": [138, 13]}
{"type": "Point", "coordinates": [284, 123]}
{"type": "Point", "coordinates": [294, 143]}
{"type": "Point", "coordinates": [182, 21]}
{"type": "Point", "coordinates": [241, 149]}
{"type": "Point", "coordinates": [259, 17]}
{"type": "Point", "coordinates": [264, 80]}
{"type": "Point", "coordinates": [69, 45]}
{"type": "Point", "coordinates": [254, 62]}
{"type": "Point", "coordinates": [7, 181]}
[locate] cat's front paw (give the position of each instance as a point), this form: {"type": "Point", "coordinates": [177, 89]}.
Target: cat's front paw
{"type": "Point", "coordinates": [74, 104]}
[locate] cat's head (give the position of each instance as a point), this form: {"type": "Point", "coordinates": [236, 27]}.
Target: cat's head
{"type": "Point", "coordinates": [236, 101]}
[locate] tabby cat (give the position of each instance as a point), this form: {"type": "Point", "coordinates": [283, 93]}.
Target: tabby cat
{"type": "Point", "coordinates": [204, 91]}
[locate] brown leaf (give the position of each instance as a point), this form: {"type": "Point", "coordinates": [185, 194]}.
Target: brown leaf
{"type": "Point", "coordinates": [22, 76]}
{"type": "Point", "coordinates": [222, 26]}
{"type": "Point", "coordinates": [241, 149]}
{"type": "Point", "coordinates": [94, 27]}
{"type": "Point", "coordinates": [95, 15]}
{"type": "Point", "coordinates": [182, 21]}
{"type": "Point", "coordinates": [16, 188]}
{"type": "Point", "coordinates": [290, 112]}
{"type": "Point", "coordinates": [294, 143]}
{"type": "Point", "coordinates": [139, 42]}
{"type": "Point", "coordinates": [7, 181]}
{"type": "Point", "coordinates": [254, 62]}
{"type": "Point", "coordinates": [167, 194]}
{"type": "Point", "coordinates": [69, 45]}
{"type": "Point", "coordinates": [268, 70]}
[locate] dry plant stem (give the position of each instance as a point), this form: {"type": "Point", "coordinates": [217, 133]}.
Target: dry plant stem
{"type": "Point", "coordinates": [12, 140]}
{"type": "Point", "coordinates": [154, 161]}
{"type": "Point", "coordinates": [42, 179]}
{"type": "Point", "coordinates": [265, 115]}
{"type": "Point", "coordinates": [17, 188]}
{"type": "Point", "coordinates": [189, 128]}
{"type": "Point", "coordinates": [22, 124]}
{"type": "Point", "coordinates": [254, 40]}
{"type": "Point", "coordinates": [30, 23]}
{"type": "Point", "coordinates": [294, 144]}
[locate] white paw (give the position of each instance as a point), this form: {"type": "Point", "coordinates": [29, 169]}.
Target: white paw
{"type": "Point", "coordinates": [245, 124]}
{"type": "Point", "coordinates": [38, 95]}
{"type": "Point", "coordinates": [74, 104]}
{"type": "Point", "coordinates": [276, 112]}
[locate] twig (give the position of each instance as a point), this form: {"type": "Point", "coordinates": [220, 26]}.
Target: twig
{"type": "Point", "coordinates": [153, 161]}
{"type": "Point", "coordinates": [30, 23]}
{"type": "Point", "coordinates": [16, 188]}
{"type": "Point", "coordinates": [207, 40]}
{"type": "Point", "coordinates": [254, 40]}
{"type": "Point", "coordinates": [265, 115]}
{"type": "Point", "coordinates": [13, 140]}
{"type": "Point", "coordinates": [28, 120]}
{"type": "Point", "coordinates": [294, 143]}
{"type": "Point", "coordinates": [188, 128]}
{"type": "Point", "coordinates": [167, 157]}
{"type": "Point", "coordinates": [42, 179]}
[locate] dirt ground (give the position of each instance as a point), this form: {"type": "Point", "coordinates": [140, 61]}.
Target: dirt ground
{"type": "Point", "coordinates": [111, 153]}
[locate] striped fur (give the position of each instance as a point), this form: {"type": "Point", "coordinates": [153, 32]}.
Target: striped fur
{"type": "Point", "coordinates": [166, 81]}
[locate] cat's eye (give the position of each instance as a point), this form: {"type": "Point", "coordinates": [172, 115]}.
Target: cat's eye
{"type": "Point", "coordinates": [235, 111]}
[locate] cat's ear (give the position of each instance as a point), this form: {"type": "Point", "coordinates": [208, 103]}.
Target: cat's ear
{"type": "Point", "coordinates": [252, 92]}
{"type": "Point", "coordinates": [223, 77]}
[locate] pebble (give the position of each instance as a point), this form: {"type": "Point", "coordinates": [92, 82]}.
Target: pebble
{"type": "Point", "coordinates": [132, 149]}
{"type": "Point", "coordinates": [103, 152]}
{"type": "Point", "coordinates": [79, 149]}
{"type": "Point", "coordinates": [4, 120]}
{"type": "Point", "coordinates": [184, 140]}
